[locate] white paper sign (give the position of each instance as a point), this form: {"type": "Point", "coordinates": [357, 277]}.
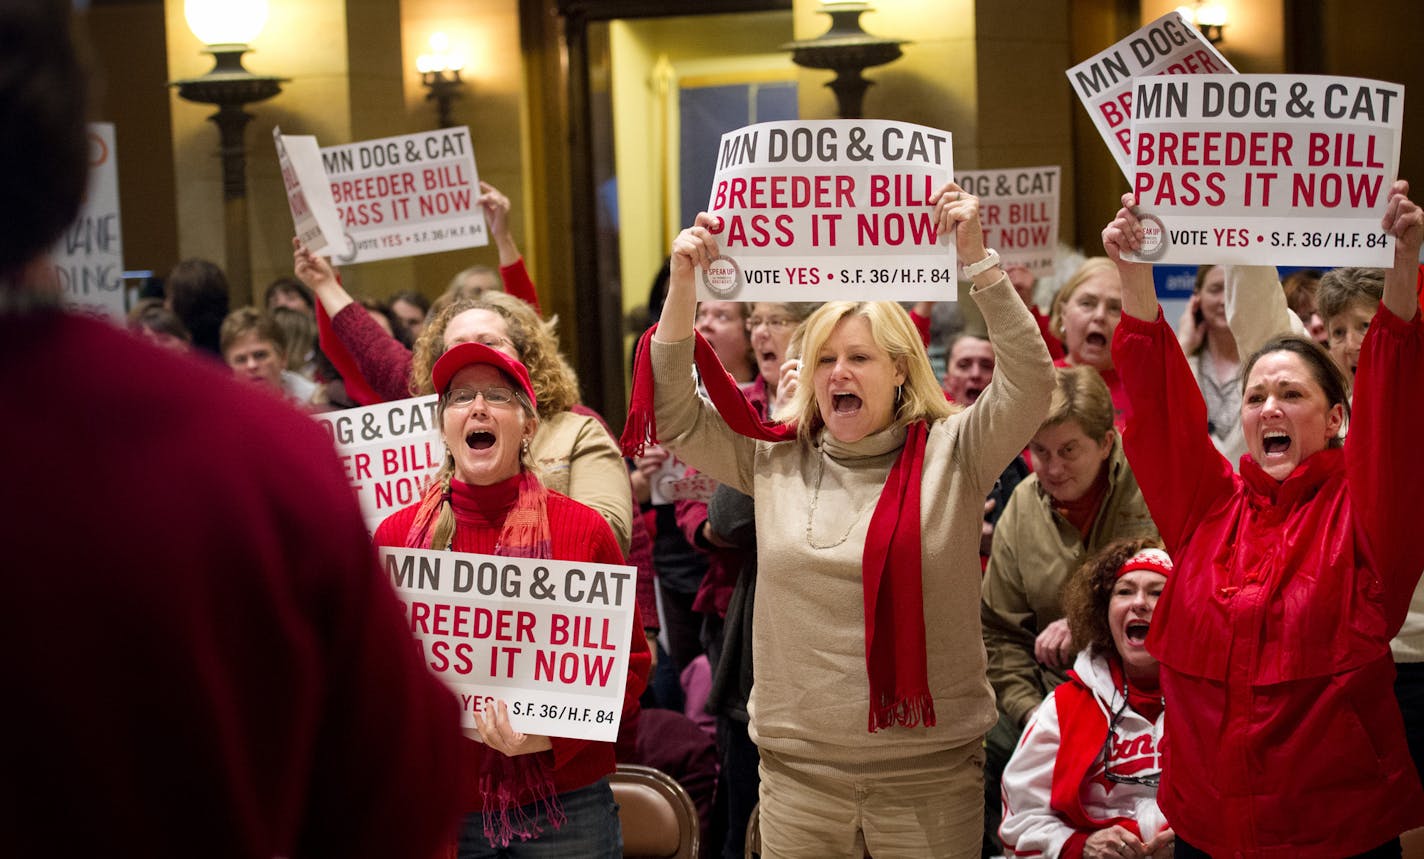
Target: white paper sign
{"type": "Point", "coordinates": [89, 258]}
{"type": "Point", "coordinates": [813, 211]}
{"type": "Point", "coordinates": [408, 195]}
{"type": "Point", "coordinates": [549, 638]}
{"type": "Point", "coordinates": [389, 451]}
{"type": "Point", "coordinates": [308, 193]}
{"type": "Point", "coordinates": [1265, 169]}
{"type": "Point", "coordinates": [1168, 45]}
{"type": "Point", "coordinates": [1018, 210]}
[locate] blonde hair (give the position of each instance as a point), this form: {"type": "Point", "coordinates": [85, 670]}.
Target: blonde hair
{"type": "Point", "coordinates": [1081, 395]}
{"type": "Point", "coordinates": [1091, 267]}
{"type": "Point", "coordinates": [921, 397]}
{"type": "Point", "coordinates": [471, 282]}
{"type": "Point", "coordinates": [443, 531]}
{"type": "Point", "coordinates": [555, 385]}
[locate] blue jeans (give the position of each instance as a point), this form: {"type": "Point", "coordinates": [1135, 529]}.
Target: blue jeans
{"type": "Point", "coordinates": [591, 830]}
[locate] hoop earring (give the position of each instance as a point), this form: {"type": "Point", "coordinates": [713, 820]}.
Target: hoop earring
{"type": "Point", "coordinates": [899, 390]}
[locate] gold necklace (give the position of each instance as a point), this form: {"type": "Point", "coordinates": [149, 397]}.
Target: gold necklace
{"type": "Point", "coordinates": [811, 514]}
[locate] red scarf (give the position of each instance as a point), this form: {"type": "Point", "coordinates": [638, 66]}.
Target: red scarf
{"type": "Point", "coordinates": [895, 659]}
{"type": "Point", "coordinates": [502, 780]}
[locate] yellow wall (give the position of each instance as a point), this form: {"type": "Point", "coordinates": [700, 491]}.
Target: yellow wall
{"type": "Point", "coordinates": [645, 52]}
{"type": "Point", "coordinates": [351, 65]}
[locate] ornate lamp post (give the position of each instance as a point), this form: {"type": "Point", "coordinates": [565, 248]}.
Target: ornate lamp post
{"type": "Point", "coordinates": [847, 50]}
{"type": "Point", "coordinates": [227, 26]}
{"type": "Point", "coordinates": [440, 72]}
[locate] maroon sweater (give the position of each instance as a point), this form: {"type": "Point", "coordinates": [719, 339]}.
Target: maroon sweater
{"type": "Point", "coordinates": [199, 654]}
{"type": "Point", "coordinates": [578, 533]}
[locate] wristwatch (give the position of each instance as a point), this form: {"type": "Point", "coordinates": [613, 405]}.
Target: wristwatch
{"type": "Point", "coordinates": [982, 265]}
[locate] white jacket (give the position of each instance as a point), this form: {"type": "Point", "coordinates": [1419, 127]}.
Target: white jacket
{"type": "Point", "coordinates": [1040, 816]}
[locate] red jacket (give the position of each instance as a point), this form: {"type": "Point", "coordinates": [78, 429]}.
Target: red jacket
{"type": "Point", "coordinates": [1284, 738]}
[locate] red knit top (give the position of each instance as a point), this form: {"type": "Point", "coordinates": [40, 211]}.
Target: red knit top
{"type": "Point", "coordinates": [578, 533]}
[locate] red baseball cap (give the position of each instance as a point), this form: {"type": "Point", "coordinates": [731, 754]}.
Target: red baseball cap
{"type": "Point", "coordinates": [462, 355]}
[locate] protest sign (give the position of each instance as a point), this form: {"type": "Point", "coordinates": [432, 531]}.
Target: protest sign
{"type": "Point", "coordinates": [407, 195]}
{"type": "Point", "coordinates": [1265, 169]}
{"type": "Point", "coordinates": [1019, 212]}
{"type": "Point", "coordinates": [388, 450]}
{"type": "Point", "coordinates": [549, 638]}
{"type": "Point", "coordinates": [314, 215]}
{"type": "Point", "coordinates": [1168, 45]}
{"type": "Point", "coordinates": [89, 258]}
{"type": "Point", "coordinates": [813, 211]}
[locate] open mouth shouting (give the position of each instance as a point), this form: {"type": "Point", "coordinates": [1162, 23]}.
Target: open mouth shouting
{"type": "Point", "coordinates": [1275, 443]}
{"type": "Point", "coordinates": [845, 405]}
{"type": "Point", "coordinates": [1136, 632]}
{"type": "Point", "coordinates": [480, 440]}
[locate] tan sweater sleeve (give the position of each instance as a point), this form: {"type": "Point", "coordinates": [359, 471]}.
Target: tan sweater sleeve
{"type": "Point", "coordinates": [598, 478]}
{"type": "Point", "coordinates": [1007, 618]}
{"type": "Point", "coordinates": [690, 426]}
{"type": "Point", "coordinates": [1256, 308]}
{"type": "Point", "coordinates": [1000, 423]}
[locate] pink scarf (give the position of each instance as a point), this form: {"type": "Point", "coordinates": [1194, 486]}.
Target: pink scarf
{"type": "Point", "coordinates": [895, 659]}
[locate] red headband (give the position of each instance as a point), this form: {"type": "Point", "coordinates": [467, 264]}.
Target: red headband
{"type": "Point", "coordinates": [1151, 560]}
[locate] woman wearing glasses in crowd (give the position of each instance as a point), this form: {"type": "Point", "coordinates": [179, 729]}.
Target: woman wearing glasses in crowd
{"type": "Point", "coordinates": [487, 499]}
{"type": "Point", "coordinates": [869, 718]}
{"type": "Point", "coordinates": [1291, 577]}
{"type": "Point", "coordinates": [1083, 781]}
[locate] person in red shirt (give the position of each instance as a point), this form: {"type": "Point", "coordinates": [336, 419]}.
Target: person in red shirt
{"type": "Point", "coordinates": [1085, 314]}
{"type": "Point", "coordinates": [525, 794]}
{"type": "Point", "coordinates": [1291, 577]}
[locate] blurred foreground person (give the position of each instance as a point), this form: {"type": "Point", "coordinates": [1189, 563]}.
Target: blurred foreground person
{"type": "Point", "coordinates": [220, 669]}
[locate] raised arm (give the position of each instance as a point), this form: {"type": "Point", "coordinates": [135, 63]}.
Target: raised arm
{"type": "Point", "coordinates": [1256, 308]}
{"type": "Point", "coordinates": [688, 425]}
{"type": "Point", "coordinates": [1386, 482]}
{"type": "Point", "coordinates": [1008, 413]}
{"type": "Point", "coordinates": [511, 265]}
{"type": "Point", "coordinates": [1180, 471]}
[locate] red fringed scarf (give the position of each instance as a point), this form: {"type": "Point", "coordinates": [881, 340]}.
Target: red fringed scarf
{"type": "Point", "coordinates": [895, 659]}
{"type": "Point", "coordinates": [503, 780]}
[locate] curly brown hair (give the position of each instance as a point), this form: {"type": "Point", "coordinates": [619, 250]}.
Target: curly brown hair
{"type": "Point", "coordinates": [1088, 590]}
{"type": "Point", "coordinates": [555, 385]}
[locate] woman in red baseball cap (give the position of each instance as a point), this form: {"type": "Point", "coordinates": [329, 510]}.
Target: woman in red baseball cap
{"type": "Point", "coordinates": [486, 499]}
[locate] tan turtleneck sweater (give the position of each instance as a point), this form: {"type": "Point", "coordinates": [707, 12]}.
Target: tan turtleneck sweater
{"type": "Point", "coordinates": [811, 694]}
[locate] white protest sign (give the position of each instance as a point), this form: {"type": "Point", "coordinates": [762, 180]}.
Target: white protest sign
{"type": "Point", "coordinates": [1018, 210]}
{"type": "Point", "coordinates": [314, 215]}
{"type": "Point", "coordinates": [89, 257]}
{"type": "Point", "coordinates": [550, 638]}
{"type": "Point", "coordinates": [1265, 169]}
{"type": "Point", "coordinates": [1168, 45]}
{"type": "Point", "coordinates": [389, 451]}
{"type": "Point", "coordinates": [407, 195]}
{"type": "Point", "coordinates": [814, 211]}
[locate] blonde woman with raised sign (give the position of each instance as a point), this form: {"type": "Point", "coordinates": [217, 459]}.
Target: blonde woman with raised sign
{"type": "Point", "coordinates": [870, 702]}
{"type": "Point", "coordinates": [525, 795]}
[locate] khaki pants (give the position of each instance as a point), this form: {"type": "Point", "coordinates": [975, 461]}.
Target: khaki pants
{"type": "Point", "coordinates": [931, 806]}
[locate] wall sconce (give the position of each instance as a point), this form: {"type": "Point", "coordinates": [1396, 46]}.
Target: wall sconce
{"type": "Point", "coordinates": [227, 26]}
{"type": "Point", "coordinates": [1208, 17]}
{"type": "Point", "coordinates": [845, 49]}
{"type": "Point", "coordinates": [440, 72]}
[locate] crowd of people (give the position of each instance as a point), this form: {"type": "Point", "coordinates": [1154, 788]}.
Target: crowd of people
{"type": "Point", "coordinates": [1104, 587]}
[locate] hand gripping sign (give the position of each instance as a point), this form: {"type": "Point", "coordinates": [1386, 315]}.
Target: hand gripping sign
{"type": "Point", "coordinates": [1265, 169]}
{"type": "Point", "coordinates": [813, 211]}
{"type": "Point", "coordinates": [1167, 46]}
{"type": "Point", "coordinates": [549, 638]}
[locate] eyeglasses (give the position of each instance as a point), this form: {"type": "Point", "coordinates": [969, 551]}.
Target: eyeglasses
{"type": "Point", "coordinates": [775, 323]}
{"type": "Point", "coordinates": [463, 398]}
{"type": "Point", "coordinates": [1110, 743]}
